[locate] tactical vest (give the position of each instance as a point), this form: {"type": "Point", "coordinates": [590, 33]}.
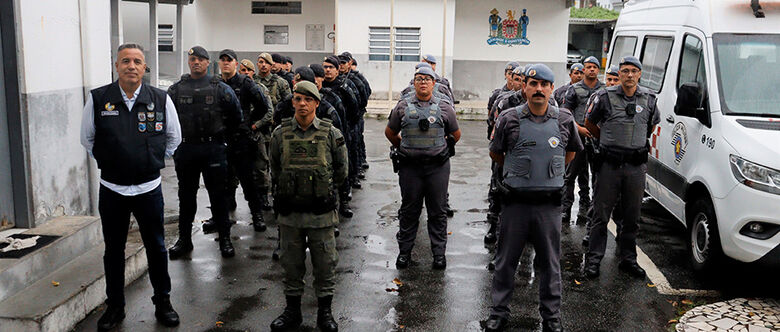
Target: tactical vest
{"type": "Point", "coordinates": [305, 183]}
{"type": "Point", "coordinates": [271, 83]}
{"type": "Point", "coordinates": [412, 136]}
{"type": "Point", "coordinates": [583, 94]}
{"type": "Point", "coordinates": [622, 130]}
{"type": "Point", "coordinates": [199, 109]}
{"type": "Point", "coordinates": [129, 144]}
{"type": "Point", "coordinates": [537, 161]}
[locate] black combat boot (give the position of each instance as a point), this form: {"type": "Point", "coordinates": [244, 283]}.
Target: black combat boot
{"type": "Point", "coordinates": [182, 247]}
{"type": "Point", "coordinates": [225, 246]}
{"type": "Point", "coordinates": [210, 226]}
{"type": "Point", "coordinates": [258, 222]}
{"type": "Point", "coordinates": [344, 209]}
{"type": "Point", "coordinates": [111, 318]}
{"type": "Point", "coordinates": [325, 319]}
{"type": "Point", "coordinates": [164, 312]}
{"type": "Point", "coordinates": [356, 183]}
{"type": "Point", "coordinates": [291, 317]}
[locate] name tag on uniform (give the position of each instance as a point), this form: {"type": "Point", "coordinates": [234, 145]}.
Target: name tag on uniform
{"type": "Point", "coordinates": [109, 113]}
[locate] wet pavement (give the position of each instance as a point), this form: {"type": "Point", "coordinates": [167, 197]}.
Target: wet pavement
{"type": "Point", "coordinates": [245, 293]}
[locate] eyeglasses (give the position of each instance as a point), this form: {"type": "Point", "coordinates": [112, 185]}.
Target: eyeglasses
{"type": "Point", "coordinates": [630, 71]}
{"type": "Point", "coordinates": [423, 79]}
{"type": "Point", "coordinates": [328, 67]}
{"type": "Point", "coordinates": [307, 100]}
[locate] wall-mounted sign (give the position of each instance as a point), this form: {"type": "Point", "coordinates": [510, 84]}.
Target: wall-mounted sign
{"type": "Point", "coordinates": [508, 31]}
{"type": "Point", "coordinates": [315, 37]}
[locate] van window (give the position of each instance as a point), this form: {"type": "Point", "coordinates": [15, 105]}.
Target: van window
{"type": "Point", "coordinates": [655, 57]}
{"type": "Point", "coordinates": [747, 67]}
{"type": "Point", "coordinates": [692, 62]}
{"type": "Point", "coordinates": [624, 45]}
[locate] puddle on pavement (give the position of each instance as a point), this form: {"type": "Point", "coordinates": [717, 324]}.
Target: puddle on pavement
{"type": "Point", "coordinates": [376, 244]}
{"type": "Point", "coordinates": [388, 214]}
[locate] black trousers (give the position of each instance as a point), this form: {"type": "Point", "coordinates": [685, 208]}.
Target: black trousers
{"type": "Point", "coordinates": [361, 127]}
{"type": "Point", "coordinates": [241, 167]}
{"type": "Point", "coordinates": [191, 160]}
{"type": "Point", "coordinates": [423, 183]}
{"type": "Point", "coordinates": [115, 212]}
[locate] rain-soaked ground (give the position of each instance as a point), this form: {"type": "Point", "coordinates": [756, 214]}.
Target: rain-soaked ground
{"type": "Point", "coordinates": [245, 293]}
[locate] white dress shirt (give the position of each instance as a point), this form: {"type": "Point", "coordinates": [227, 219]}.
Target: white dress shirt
{"type": "Point", "coordinates": [172, 133]}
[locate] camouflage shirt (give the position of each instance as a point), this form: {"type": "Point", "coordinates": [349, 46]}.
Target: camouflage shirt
{"type": "Point", "coordinates": [277, 87]}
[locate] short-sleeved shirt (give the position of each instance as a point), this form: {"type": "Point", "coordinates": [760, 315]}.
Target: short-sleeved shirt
{"type": "Point", "coordinates": [447, 116]}
{"type": "Point", "coordinates": [506, 134]}
{"type": "Point", "coordinates": [600, 108]}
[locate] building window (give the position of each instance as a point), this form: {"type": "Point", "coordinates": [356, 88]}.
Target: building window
{"type": "Point", "coordinates": [407, 44]}
{"type": "Point", "coordinates": [165, 37]}
{"type": "Point", "coordinates": [276, 34]}
{"type": "Point", "coordinates": [276, 7]}
{"type": "Point", "coordinates": [655, 58]}
{"type": "Point", "coordinates": [624, 46]}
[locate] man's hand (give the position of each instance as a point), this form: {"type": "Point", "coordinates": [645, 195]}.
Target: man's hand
{"type": "Point", "coordinates": [584, 131]}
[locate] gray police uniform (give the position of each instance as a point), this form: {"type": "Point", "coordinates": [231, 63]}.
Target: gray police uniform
{"type": "Point", "coordinates": [535, 148]}
{"type": "Point", "coordinates": [577, 102]}
{"type": "Point", "coordinates": [625, 123]}
{"type": "Point", "coordinates": [425, 168]}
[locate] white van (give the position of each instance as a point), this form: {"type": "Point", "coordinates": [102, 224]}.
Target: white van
{"type": "Point", "coordinates": [715, 156]}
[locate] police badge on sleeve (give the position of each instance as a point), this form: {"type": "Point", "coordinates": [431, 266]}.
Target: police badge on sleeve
{"type": "Point", "coordinates": [554, 141]}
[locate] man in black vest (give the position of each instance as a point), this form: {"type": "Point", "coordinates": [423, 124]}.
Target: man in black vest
{"type": "Point", "coordinates": [129, 128]}
{"type": "Point", "coordinates": [209, 113]}
{"type": "Point", "coordinates": [242, 149]}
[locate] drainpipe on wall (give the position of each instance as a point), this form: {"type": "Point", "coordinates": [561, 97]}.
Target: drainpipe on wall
{"type": "Point", "coordinates": [92, 172]}
{"type": "Point", "coordinates": [152, 61]}
{"type": "Point", "coordinates": [392, 52]}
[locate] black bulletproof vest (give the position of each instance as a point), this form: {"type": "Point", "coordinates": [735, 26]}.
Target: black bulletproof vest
{"type": "Point", "coordinates": [129, 144]}
{"type": "Point", "coordinates": [199, 109]}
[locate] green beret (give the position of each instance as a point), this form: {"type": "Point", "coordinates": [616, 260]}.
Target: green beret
{"type": "Point", "coordinates": [307, 88]}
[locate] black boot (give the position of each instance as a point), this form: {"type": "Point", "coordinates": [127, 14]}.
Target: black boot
{"type": "Point", "coordinates": [495, 323]}
{"type": "Point", "coordinates": [182, 247]}
{"type": "Point", "coordinates": [291, 317]}
{"type": "Point", "coordinates": [258, 222]}
{"type": "Point", "coordinates": [325, 319]}
{"type": "Point", "coordinates": [356, 183]}
{"type": "Point", "coordinates": [226, 247]}
{"type": "Point", "coordinates": [344, 209]}
{"type": "Point", "coordinates": [164, 312]}
{"type": "Point", "coordinates": [210, 226]}
{"type": "Point", "coordinates": [111, 318]}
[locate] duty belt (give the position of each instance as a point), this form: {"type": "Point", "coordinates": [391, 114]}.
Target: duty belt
{"type": "Point", "coordinates": [617, 158]}
{"type": "Point", "coordinates": [530, 197]}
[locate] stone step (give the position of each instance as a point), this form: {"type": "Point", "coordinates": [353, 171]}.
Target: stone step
{"type": "Point", "coordinates": [43, 306]}
{"type": "Point", "coordinates": [78, 234]}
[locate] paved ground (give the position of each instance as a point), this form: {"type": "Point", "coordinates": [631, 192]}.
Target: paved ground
{"type": "Point", "coordinates": [245, 293]}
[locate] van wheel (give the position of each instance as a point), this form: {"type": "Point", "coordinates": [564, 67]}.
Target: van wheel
{"type": "Point", "coordinates": [704, 242]}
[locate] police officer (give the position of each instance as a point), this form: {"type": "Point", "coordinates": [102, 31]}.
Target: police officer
{"type": "Point", "coordinates": [363, 92]}
{"type": "Point", "coordinates": [248, 69]}
{"type": "Point", "coordinates": [421, 127]}
{"type": "Point", "coordinates": [622, 117]}
{"type": "Point", "coordinates": [308, 159]}
{"type": "Point", "coordinates": [278, 87]}
{"type": "Point", "coordinates": [575, 75]}
{"type": "Point", "coordinates": [510, 66]}
{"type": "Point", "coordinates": [129, 128]}
{"type": "Point", "coordinates": [209, 112]}
{"type": "Point", "coordinates": [280, 68]}
{"type": "Point", "coordinates": [577, 101]}
{"type": "Point", "coordinates": [532, 143]}
{"type": "Point", "coordinates": [592, 147]}
{"type": "Point", "coordinates": [439, 90]}
{"type": "Point", "coordinates": [242, 149]}
{"type": "Point", "coordinates": [330, 96]}
{"type": "Point", "coordinates": [351, 99]}
{"type": "Point", "coordinates": [352, 71]}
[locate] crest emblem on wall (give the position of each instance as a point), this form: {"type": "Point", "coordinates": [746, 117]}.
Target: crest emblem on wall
{"type": "Point", "coordinates": [509, 31]}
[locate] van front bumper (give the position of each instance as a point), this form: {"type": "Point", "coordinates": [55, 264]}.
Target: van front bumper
{"type": "Point", "coordinates": [741, 206]}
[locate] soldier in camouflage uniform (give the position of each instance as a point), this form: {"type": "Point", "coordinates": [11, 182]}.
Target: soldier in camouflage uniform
{"type": "Point", "coordinates": [308, 160]}
{"type": "Point", "coordinates": [278, 88]}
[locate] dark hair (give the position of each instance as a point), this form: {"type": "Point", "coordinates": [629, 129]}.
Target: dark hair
{"type": "Point", "coordinates": [130, 45]}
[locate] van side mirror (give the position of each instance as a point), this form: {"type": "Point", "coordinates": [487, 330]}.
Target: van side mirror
{"type": "Point", "coordinates": [691, 102]}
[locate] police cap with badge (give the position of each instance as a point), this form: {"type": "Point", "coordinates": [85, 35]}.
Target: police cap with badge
{"type": "Point", "coordinates": [199, 51]}
{"type": "Point", "coordinates": [576, 67]}
{"type": "Point", "coordinates": [540, 72]}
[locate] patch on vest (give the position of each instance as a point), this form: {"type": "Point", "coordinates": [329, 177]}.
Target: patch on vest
{"type": "Point", "coordinates": [639, 109]}
{"type": "Point", "coordinates": [109, 107]}
{"type": "Point", "coordinates": [209, 99]}
{"type": "Point", "coordinates": [340, 141]}
{"type": "Point", "coordinates": [150, 106]}
{"type": "Point", "coordinates": [141, 116]}
{"type": "Point", "coordinates": [150, 116]}
{"type": "Point", "coordinates": [160, 116]}
{"type": "Point", "coordinates": [431, 119]}
{"type": "Point", "coordinates": [158, 126]}
{"type": "Point", "coordinates": [109, 113]}
{"type": "Point", "coordinates": [142, 127]}
{"type": "Point", "coordinates": [554, 141]}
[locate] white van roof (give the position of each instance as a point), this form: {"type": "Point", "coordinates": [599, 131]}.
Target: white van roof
{"type": "Point", "coordinates": [710, 16]}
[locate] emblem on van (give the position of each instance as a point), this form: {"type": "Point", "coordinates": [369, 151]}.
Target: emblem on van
{"type": "Point", "coordinates": [679, 141]}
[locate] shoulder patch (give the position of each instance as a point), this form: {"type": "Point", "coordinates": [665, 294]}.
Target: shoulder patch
{"type": "Point", "coordinates": [340, 141]}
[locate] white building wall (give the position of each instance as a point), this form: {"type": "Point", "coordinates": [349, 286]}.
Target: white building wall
{"type": "Point", "coordinates": [479, 67]}
{"type": "Point", "coordinates": [356, 16]}
{"type": "Point", "coordinates": [64, 51]}
{"type": "Point", "coordinates": [220, 24]}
